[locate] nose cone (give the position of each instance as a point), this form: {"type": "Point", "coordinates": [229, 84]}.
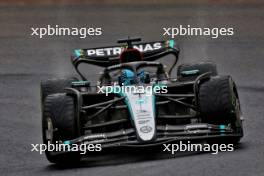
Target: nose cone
{"type": "Point", "coordinates": [142, 111]}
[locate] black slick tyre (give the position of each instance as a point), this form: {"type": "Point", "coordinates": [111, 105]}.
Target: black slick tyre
{"type": "Point", "coordinates": [52, 86]}
{"type": "Point", "coordinates": [219, 104]}
{"type": "Point", "coordinates": [59, 124]}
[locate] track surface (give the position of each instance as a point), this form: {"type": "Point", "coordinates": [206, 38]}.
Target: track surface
{"type": "Point", "coordinates": [25, 60]}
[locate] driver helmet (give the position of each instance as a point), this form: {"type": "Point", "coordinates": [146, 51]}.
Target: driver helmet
{"type": "Point", "coordinates": [128, 77]}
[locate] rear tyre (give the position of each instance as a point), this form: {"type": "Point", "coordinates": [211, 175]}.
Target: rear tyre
{"type": "Point", "coordinates": [59, 124]}
{"type": "Point", "coordinates": [219, 104]}
{"type": "Point", "coordinates": [53, 86]}
{"type": "Point", "coordinates": [188, 72]}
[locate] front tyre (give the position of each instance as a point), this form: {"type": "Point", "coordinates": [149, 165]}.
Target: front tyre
{"type": "Point", "coordinates": [219, 104]}
{"type": "Point", "coordinates": [59, 124]}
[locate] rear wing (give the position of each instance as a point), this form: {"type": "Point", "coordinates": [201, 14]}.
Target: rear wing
{"type": "Point", "coordinates": [108, 56]}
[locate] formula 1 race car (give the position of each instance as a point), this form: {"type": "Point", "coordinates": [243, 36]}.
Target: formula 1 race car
{"type": "Point", "coordinates": [136, 103]}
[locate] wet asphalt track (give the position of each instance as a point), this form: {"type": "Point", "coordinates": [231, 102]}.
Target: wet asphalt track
{"type": "Point", "coordinates": [25, 60]}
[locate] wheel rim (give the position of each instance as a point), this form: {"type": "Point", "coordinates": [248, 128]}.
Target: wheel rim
{"type": "Point", "coordinates": [49, 130]}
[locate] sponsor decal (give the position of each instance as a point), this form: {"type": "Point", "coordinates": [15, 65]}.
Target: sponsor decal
{"type": "Point", "coordinates": [112, 51]}
{"type": "Point", "coordinates": [143, 121]}
{"type": "Point", "coordinates": [145, 129]}
{"type": "Point", "coordinates": [141, 101]}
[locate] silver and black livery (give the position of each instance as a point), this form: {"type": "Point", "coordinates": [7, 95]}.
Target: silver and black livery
{"type": "Point", "coordinates": [196, 104]}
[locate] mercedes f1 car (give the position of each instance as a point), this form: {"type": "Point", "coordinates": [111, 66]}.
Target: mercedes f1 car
{"type": "Point", "coordinates": [196, 104]}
